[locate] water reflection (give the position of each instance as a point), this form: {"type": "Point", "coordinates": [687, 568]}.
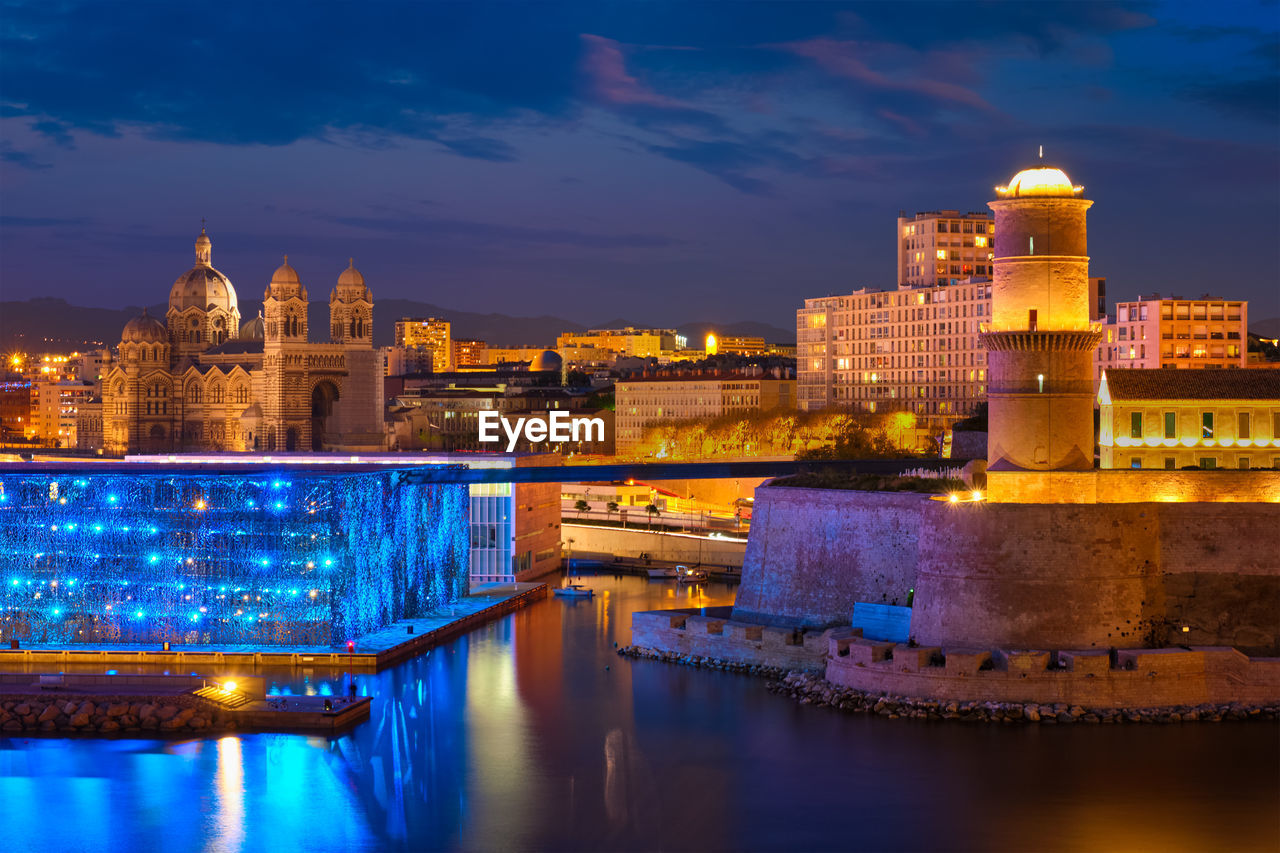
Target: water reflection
{"type": "Point", "coordinates": [531, 733]}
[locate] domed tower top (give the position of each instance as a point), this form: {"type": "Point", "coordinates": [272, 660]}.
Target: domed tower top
{"type": "Point", "coordinates": [285, 284]}
{"type": "Point", "coordinates": [1041, 182]}
{"type": "Point", "coordinates": [351, 309]}
{"type": "Point", "coordinates": [202, 286]}
{"type": "Point", "coordinates": [351, 286]}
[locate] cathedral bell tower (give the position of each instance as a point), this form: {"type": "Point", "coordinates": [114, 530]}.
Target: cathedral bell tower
{"type": "Point", "coordinates": [1040, 340]}
{"type": "Point", "coordinates": [286, 406]}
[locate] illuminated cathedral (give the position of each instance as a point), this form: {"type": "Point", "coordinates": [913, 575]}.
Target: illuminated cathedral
{"type": "Point", "coordinates": [201, 381]}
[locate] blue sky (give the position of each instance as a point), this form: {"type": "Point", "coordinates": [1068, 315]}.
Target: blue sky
{"type": "Point", "coordinates": [660, 162]}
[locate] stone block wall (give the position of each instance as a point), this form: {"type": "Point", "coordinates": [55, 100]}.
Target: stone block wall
{"type": "Point", "coordinates": [1140, 679]}
{"type": "Point", "coordinates": [685, 632]}
{"type": "Point", "coordinates": [814, 552]}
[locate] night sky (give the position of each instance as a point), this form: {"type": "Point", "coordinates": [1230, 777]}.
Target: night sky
{"type": "Point", "coordinates": [658, 162]}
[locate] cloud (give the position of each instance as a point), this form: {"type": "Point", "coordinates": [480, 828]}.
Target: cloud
{"type": "Point", "coordinates": [21, 159]}
{"type": "Point", "coordinates": [608, 80]}
{"type": "Point", "coordinates": [846, 59]}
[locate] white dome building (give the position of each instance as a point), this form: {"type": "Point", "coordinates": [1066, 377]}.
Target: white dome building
{"type": "Point", "coordinates": [203, 309]}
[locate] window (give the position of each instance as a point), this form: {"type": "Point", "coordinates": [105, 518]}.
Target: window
{"type": "Point", "coordinates": [1170, 424]}
{"type": "Point", "coordinates": [1170, 463]}
{"type": "Point", "coordinates": [1135, 462]}
{"type": "Point", "coordinates": [1244, 422]}
{"type": "Point", "coordinates": [1135, 425]}
{"type": "Point", "coordinates": [1208, 462]}
{"type": "Point", "coordinates": [1243, 464]}
{"type": "Point", "coordinates": [1206, 425]}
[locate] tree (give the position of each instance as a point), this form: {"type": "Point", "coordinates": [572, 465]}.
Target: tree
{"type": "Point", "coordinates": [653, 510]}
{"type": "Point", "coordinates": [581, 506]}
{"type": "Point", "coordinates": [611, 507]}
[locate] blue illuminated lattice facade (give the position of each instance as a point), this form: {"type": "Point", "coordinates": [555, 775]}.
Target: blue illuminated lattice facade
{"type": "Point", "coordinates": [220, 556]}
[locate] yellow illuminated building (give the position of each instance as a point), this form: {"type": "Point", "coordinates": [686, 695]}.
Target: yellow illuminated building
{"type": "Point", "coordinates": [1169, 419]}
{"type": "Point", "coordinates": [640, 343]}
{"type": "Point", "coordinates": [429, 334]}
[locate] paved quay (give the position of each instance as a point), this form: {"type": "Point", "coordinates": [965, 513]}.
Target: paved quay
{"type": "Point", "coordinates": [371, 653]}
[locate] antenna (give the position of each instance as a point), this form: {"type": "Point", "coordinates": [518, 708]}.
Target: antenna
{"type": "Point", "coordinates": [1041, 152]}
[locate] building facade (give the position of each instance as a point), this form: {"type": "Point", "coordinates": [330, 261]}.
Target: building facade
{"type": "Point", "coordinates": [1169, 419]}
{"type": "Point", "coordinates": [913, 350]}
{"type": "Point", "coordinates": [1185, 333]}
{"type": "Point", "coordinates": [642, 343]}
{"type": "Point", "coordinates": [942, 247]}
{"type": "Point", "coordinates": [429, 335]}
{"type": "Point", "coordinates": [201, 381]}
{"type": "Point", "coordinates": [644, 402]}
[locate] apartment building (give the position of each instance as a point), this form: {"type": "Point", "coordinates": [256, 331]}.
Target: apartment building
{"type": "Point", "coordinates": [941, 247]}
{"type": "Point", "coordinates": [428, 334]}
{"type": "Point", "coordinates": [1189, 333]}
{"type": "Point", "coordinates": [640, 403]}
{"type": "Point", "coordinates": [910, 350]}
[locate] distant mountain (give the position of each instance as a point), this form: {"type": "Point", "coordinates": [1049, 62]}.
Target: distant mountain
{"type": "Point", "coordinates": [1268, 328]}
{"type": "Point", "coordinates": [54, 323]}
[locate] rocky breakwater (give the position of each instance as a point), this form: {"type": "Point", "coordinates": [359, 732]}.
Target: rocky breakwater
{"type": "Point", "coordinates": [809, 689]}
{"type": "Point", "coordinates": [96, 715]}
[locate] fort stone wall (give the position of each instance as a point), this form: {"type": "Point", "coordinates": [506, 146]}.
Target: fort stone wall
{"type": "Point", "coordinates": [812, 553]}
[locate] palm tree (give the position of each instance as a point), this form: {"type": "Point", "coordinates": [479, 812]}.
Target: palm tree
{"type": "Point", "coordinates": [581, 506]}
{"type": "Point", "coordinates": [611, 507]}
{"type": "Point", "coordinates": [653, 510]}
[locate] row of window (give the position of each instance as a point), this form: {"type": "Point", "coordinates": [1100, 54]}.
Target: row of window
{"type": "Point", "coordinates": [1208, 421]}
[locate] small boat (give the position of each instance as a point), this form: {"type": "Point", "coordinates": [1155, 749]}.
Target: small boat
{"type": "Point", "coordinates": [575, 590]}
{"type": "Point", "coordinates": [663, 574]}
{"type": "Point", "coordinates": [688, 575]}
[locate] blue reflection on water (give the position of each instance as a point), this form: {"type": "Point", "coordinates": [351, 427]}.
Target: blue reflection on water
{"type": "Point", "coordinates": [518, 737]}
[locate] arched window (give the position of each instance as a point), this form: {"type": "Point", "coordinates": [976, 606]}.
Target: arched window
{"type": "Point", "coordinates": [242, 395]}
{"type": "Point", "coordinates": [217, 394]}
{"type": "Point", "coordinates": [193, 393]}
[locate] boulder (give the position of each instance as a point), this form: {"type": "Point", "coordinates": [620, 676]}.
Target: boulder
{"type": "Point", "coordinates": [117, 710]}
{"type": "Point", "coordinates": [79, 720]}
{"type": "Point", "coordinates": [49, 714]}
{"type": "Point", "coordinates": [22, 710]}
{"type": "Point", "coordinates": [166, 712]}
{"type": "Point", "coordinates": [109, 725]}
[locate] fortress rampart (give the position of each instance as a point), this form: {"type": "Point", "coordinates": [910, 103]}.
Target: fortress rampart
{"type": "Point", "coordinates": [1086, 576]}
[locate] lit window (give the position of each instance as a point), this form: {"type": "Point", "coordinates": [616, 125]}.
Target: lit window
{"type": "Point", "coordinates": [1170, 424]}
{"type": "Point", "coordinates": [1206, 425]}
{"type": "Point", "coordinates": [1135, 462]}
{"type": "Point", "coordinates": [1135, 425]}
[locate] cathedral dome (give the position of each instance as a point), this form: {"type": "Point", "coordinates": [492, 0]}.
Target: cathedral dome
{"type": "Point", "coordinates": [548, 359]}
{"type": "Point", "coordinates": [144, 329]}
{"type": "Point", "coordinates": [203, 286]}
{"type": "Point", "coordinates": [1040, 182]}
{"type": "Point", "coordinates": [254, 330]}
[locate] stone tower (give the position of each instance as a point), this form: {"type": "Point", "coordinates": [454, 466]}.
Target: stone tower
{"type": "Point", "coordinates": [351, 325]}
{"type": "Point", "coordinates": [1040, 341]}
{"type": "Point", "coordinates": [286, 403]}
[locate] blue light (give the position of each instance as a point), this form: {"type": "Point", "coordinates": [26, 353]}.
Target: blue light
{"type": "Point", "coordinates": [130, 593]}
